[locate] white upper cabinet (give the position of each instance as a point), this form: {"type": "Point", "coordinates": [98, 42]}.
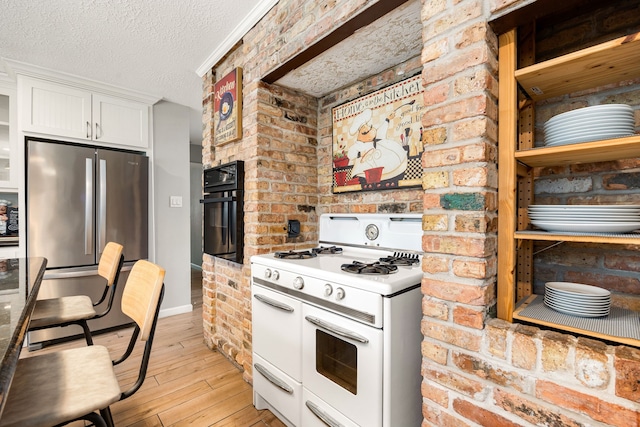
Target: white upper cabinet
{"type": "Point", "coordinates": [120, 121]}
{"type": "Point", "coordinates": [66, 111]}
{"type": "Point", "coordinates": [56, 110]}
{"type": "Point", "coordinates": [8, 131]}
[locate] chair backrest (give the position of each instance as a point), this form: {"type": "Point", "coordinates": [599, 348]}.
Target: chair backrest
{"type": "Point", "coordinates": [111, 262]}
{"type": "Point", "coordinates": [141, 295]}
{"type": "Point", "coordinates": [141, 300]}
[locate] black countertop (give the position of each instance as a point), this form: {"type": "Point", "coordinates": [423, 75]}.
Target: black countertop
{"type": "Point", "coordinates": [20, 280]}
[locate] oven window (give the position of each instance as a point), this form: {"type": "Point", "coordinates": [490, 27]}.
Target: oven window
{"type": "Point", "coordinates": [337, 360]}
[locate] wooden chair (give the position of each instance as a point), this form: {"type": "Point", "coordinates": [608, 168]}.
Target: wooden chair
{"type": "Point", "coordinates": [78, 309]}
{"type": "Point", "coordinates": [80, 383]}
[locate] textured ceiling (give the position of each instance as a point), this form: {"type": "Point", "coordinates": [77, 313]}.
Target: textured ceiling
{"type": "Point", "coordinates": [156, 46]}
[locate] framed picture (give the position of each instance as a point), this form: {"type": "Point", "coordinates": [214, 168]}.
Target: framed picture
{"type": "Point", "coordinates": [377, 139]}
{"type": "Point", "coordinates": [227, 105]}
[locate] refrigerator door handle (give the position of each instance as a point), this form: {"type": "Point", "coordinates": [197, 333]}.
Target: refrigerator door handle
{"type": "Point", "coordinates": [102, 212]}
{"type": "Point", "coordinates": [88, 207]}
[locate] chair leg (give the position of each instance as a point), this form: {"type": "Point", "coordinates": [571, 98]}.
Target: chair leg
{"type": "Point", "coordinates": [106, 414]}
{"type": "Point", "coordinates": [87, 332]}
{"type": "Point", "coordinates": [96, 419]}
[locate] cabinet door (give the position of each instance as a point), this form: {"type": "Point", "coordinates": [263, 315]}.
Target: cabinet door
{"type": "Point", "coordinates": [5, 137]}
{"type": "Point", "coordinates": [8, 135]}
{"type": "Point", "coordinates": [120, 121]}
{"type": "Point", "coordinates": [56, 109]}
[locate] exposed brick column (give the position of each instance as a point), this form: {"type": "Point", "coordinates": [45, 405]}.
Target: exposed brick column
{"type": "Point", "coordinates": [460, 202]}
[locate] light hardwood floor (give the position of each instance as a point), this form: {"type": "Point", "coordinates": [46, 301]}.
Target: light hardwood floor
{"type": "Point", "coordinates": [186, 383]}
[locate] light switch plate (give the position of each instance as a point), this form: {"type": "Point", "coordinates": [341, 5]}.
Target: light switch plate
{"type": "Point", "coordinates": [175, 201]}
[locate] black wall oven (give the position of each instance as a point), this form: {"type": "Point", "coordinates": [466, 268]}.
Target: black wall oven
{"type": "Point", "coordinates": [223, 211]}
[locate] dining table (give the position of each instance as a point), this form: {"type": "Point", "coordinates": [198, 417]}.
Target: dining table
{"type": "Point", "coordinates": [20, 280]}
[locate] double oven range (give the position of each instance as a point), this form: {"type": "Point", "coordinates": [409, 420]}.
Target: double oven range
{"type": "Point", "coordinates": [336, 329]}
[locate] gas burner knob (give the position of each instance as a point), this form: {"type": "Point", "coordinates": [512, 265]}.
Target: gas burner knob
{"type": "Point", "coordinates": [275, 275]}
{"type": "Point", "coordinates": [298, 283]}
{"type": "Point", "coordinates": [328, 290]}
{"type": "Point", "coordinates": [267, 273]}
{"type": "Point", "coordinates": [339, 294]}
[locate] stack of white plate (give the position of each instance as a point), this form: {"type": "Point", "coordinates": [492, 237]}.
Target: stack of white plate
{"type": "Point", "coordinates": [577, 299]}
{"type": "Point", "coordinates": [590, 124]}
{"type": "Point", "coordinates": [586, 218]}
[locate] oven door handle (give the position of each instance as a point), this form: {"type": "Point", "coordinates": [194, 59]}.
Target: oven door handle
{"type": "Point", "coordinates": [273, 303]}
{"type": "Point", "coordinates": [324, 417]}
{"type": "Point", "coordinates": [345, 333]}
{"type": "Point", "coordinates": [273, 379]}
{"type": "Point", "coordinates": [218, 199]}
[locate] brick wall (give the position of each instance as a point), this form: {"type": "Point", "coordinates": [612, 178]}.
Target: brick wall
{"type": "Point", "coordinates": [483, 371]}
{"type": "Point", "coordinates": [476, 370]}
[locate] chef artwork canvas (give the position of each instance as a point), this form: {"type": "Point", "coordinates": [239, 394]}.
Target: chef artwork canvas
{"type": "Point", "coordinates": [377, 139]}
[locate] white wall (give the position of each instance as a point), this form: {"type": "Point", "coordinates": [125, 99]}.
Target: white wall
{"type": "Point", "coordinates": [171, 178]}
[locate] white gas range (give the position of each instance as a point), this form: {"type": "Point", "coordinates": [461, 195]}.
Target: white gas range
{"type": "Point", "coordinates": [336, 329]}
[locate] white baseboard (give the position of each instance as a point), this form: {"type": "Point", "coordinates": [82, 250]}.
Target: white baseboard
{"type": "Point", "coordinates": [176, 310]}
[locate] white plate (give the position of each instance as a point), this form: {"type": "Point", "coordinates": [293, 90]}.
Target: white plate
{"type": "Point", "coordinates": [587, 227]}
{"type": "Point", "coordinates": [577, 313]}
{"type": "Point", "coordinates": [586, 207]}
{"type": "Point", "coordinates": [589, 133]}
{"type": "Point", "coordinates": [583, 214]}
{"type": "Point", "coordinates": [577, 308]}
{"type": "Point", "coordinates": [584, 299]}
{"type": "Point", "coordinates": [578, 289]}
{"type": "Point", "coordinates": [591, 123]}
{"type": "Point", "coordinates": [595, 111]}
{"type": "Point", "coordinates": [590, 218]}
{"type": "Point", "coordinates": [585, 137]}
{"type": "Point", "coordinates": [618, 118]}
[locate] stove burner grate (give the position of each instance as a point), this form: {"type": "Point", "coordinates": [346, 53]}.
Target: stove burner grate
{"type": "Point", "coordinates": [294, 254]}
{"type": "Point", "coordinates": [399, 258]}
{"type": "Point", "coordinates": [327, 250]}
{"type": "Point", "coordinates": [375, 268]}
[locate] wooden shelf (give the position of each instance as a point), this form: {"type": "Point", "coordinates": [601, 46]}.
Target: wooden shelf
{"type": "Point", "coordinates": [622, 239]}
{"type": "Point", "coordinates": [599, 65]}
{"type": "Point", "coordinates": [606, 63]}
{"type": "Point", "coordinates": [531, 298]}
{"type": "Point", "coordinates": [584, 152]}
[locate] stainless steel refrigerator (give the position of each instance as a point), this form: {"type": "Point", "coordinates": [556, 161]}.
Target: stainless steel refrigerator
{"type": "Point", "coordinates": [78, 199]}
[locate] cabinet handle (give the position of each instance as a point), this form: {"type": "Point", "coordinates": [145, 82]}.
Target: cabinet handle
{"type": "Point", "coordinates": [88, 129]}
{"type": "Point", "coordinates": [344, 333]}
{"type": "Point", "coordinates": [273, 303]}
{"type": "Point", "coordinates": [273, 379]}
{"type": "Point", "coordinates": [97, 128]}
{"type": "Point", "coordinates": [322, 415]}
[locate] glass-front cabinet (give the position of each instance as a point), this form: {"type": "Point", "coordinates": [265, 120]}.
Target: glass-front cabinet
{"type": "Point", "coordinates": [9, 170]}
{"type": "Point", "coordinates": [7, 133]}
{"type": "Point", "coordinates": [5, 140]}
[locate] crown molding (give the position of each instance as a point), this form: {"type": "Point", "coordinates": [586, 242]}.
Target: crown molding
{"type": "Point", "coordinates": [15, 68]}
{"type": "Point", "coordinates": [256, 14]}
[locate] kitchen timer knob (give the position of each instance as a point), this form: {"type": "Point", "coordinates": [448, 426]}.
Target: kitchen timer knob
{"type": "Point", "coordinates": [339, 294]}
{"type": "Point", "coordinates": [328, 290]}
{"type": "Point", "coordinates": [298, 283]}
{"type": "Point", "coordinates": [267, 273]}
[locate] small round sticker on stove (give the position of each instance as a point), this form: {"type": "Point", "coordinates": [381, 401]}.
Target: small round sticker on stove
{"type": "Point", "coordinates": [372, 232]}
